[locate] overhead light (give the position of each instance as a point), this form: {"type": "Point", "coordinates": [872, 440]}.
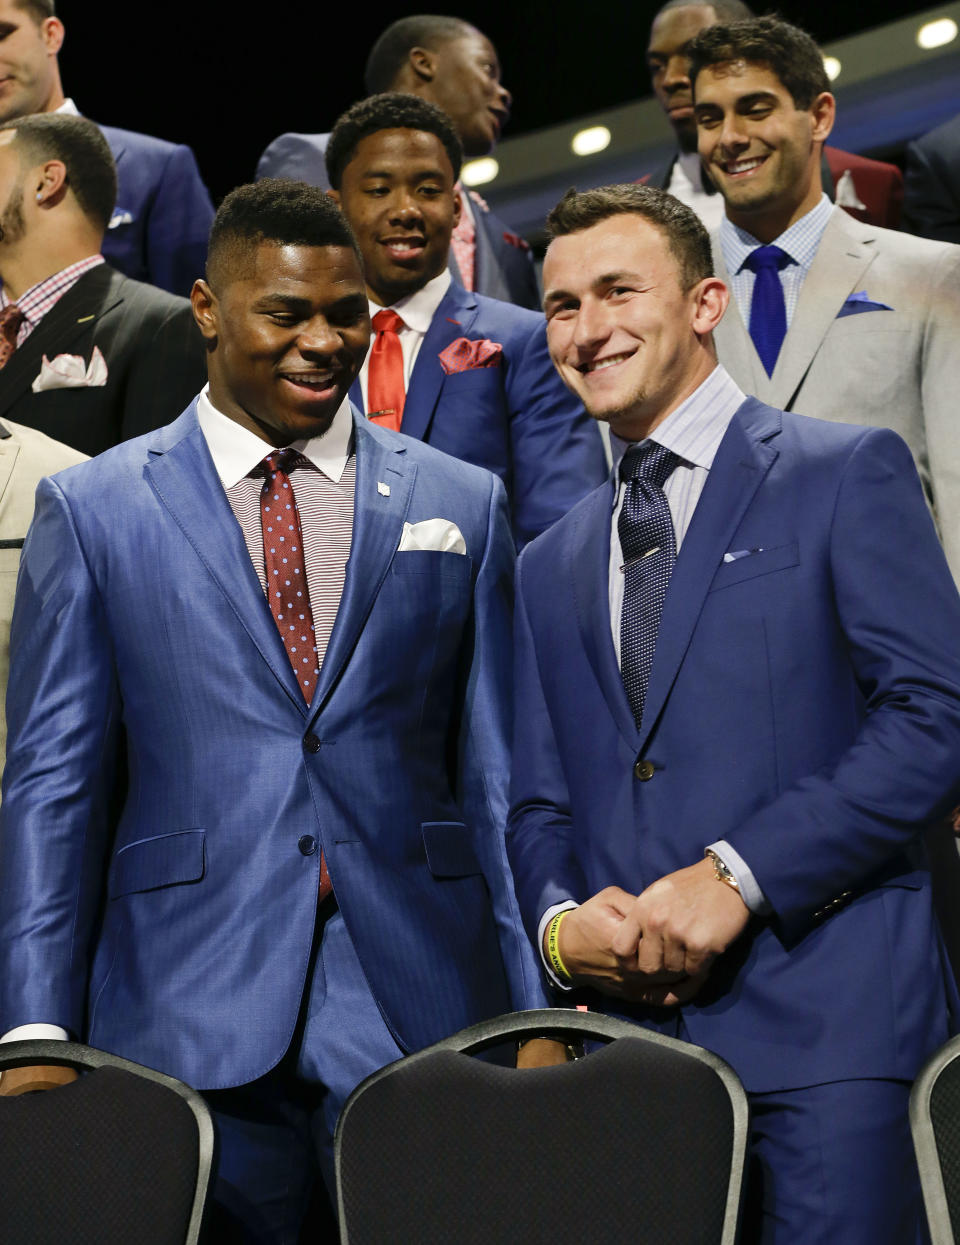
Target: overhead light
{"type": "Point", "coordinates": [832, 67]}
{"type": "Point", "coordinates": [479, 172]}
{"type": "Point", "coordinates": [936, 34]}
{"type": "Point", "coordinates": [587, 142]}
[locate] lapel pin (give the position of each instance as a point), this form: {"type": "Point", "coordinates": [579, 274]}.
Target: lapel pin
{"type": "Point", "coordinates": [383, 489]}
{"type": "Point", "coordinates": [84, 319]}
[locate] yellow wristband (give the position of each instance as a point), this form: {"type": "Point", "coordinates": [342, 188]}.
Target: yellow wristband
{"type": "Point", "coordinates": [553, 948]}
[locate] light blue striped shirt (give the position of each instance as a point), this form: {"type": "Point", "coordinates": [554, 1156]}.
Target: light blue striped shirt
{"type": "Point", "coordinates": [800, 242]}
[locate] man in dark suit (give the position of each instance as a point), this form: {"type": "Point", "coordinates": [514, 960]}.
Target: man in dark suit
{"type": "Point", "coordinates": [452, 64]}
{"type": "Point", "coordinates": [473, 377]}
{"type": "Point", "coordinates": [870, 190]}
{"type": "Point", "coordinates": [353, 735]}
{"type": "Point", "coordinates": [737, 705]}
{"type": "Point", "coordinates": [158, 230]}
{"type": "Point", "coordinates": [931, 205]}
{"type": "Point", "coordinates": [95, 357]}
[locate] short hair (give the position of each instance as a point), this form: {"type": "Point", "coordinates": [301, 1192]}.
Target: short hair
{"type": "Point", "coordinates": [686, 237]}
{"type": "Point", "coordinates": [81, 147]}
{"type": "Point", "coordinates": [39, 10]}
{"type": "Point", "coordinates": [726, 10]}
{"type": "Point", "coordinates": [390, 52]}
{"type": "Point", "coordinates": [276, 210]}
{"type": "Point", "coordinates": [389, 111]}
{"type": "Point", "coordinates": [787, 51]}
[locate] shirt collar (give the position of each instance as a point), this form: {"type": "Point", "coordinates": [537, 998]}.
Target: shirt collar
{"type": "Point", "coordinates": [236, 450]}
{"type": "Point", "coordinates": [69, 108]}
{"type": "Point", "coordinates": [39, 298]}
{"type": "Point", "coordinates": [800, 241]}
{"type": "Point", "coordinates": [695, 429]}
{"type": "Point", "coordinates": [418, 309]}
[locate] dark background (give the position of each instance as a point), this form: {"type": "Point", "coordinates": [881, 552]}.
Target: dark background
{"type": "Point", "coordinates": [226, 84]}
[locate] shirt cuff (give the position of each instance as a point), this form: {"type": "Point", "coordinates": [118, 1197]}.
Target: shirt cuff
{"type": "Point", "coordinates": [747, 884]}
{"type": "Point", "coordinates": [26, 1033]}
{"type": "Point", "coordinates": [542, 929]}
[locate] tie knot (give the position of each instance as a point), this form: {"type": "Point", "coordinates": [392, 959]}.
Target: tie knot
{"type": "Point", "coordinates": [652, 462]}
{"type": "Point", "coordinates": [280, 460]}
{"type": "Point", "coordinates": [767, 258]}
{"type": "Point", "coordinates": [387, 321]}
{"type": "Point", "coordinates": [11, 317]}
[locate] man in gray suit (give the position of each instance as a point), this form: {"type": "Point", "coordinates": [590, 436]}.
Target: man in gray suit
{"type": "Point", "coordinates": [831, 317]}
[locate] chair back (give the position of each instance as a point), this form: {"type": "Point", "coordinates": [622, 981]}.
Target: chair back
{"type": "Point", "coordinates": [935, 1123]}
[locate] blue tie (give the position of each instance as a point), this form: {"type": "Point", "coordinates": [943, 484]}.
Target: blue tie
{"type": "Point", "coordinates": [768, 314]}
{"type": "Point", "coordinates": [649, 551]}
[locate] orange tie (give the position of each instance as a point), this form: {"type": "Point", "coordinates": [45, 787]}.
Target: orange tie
{"type": "Point", "coordinates": [11, 317]}
{"type": "Point", "coordinates": [385, 387]}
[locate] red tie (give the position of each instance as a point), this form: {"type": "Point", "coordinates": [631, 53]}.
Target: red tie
{"type": "Point", "coordinates": [463, 243]}
{"type": "Point", "coordinates": [385, 388]}
{"type": "Point", "coordinates": [286, 571]}
{"type": "Point", "coordinates": [11, 317]}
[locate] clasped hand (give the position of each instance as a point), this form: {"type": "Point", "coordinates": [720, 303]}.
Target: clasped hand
{"type": "Point", "coordinates": [656, 947]}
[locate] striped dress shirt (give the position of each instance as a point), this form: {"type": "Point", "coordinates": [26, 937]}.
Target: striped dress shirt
{"type": "Point", "coordinates": [38, 299]}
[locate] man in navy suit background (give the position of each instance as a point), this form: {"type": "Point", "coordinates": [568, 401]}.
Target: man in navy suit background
{"type": "Point", "coordinates": [737, 707]}
{"type": "Point", "coordinates": [158, 232]}
{"type": "Point", "coordinates": [197, 797]}
{"type": "Point", "coordinates": [450, 63]}
{"type": "Point", "coordinates": [476, 373]}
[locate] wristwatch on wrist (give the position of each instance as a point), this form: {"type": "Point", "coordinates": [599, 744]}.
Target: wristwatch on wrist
{"type": "Point", "coordinates": [721, 869]}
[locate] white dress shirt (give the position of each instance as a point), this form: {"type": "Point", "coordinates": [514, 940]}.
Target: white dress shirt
{"type": "Point", "coordinates": [417, 311]}
{"type": "Point", "coordinates": [686, 184]}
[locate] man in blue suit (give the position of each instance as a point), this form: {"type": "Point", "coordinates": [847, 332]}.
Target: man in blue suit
{"type": "Point", "coordinates": [737, 706]}
{"type": "Point", "coordinates": [191, 763]}
{"type": "Point", "coordinates": [158, 232]}
{"type": "Point", "coordinates": [450, 63]}
{"type": "Point", "coordinates": [472, 374]}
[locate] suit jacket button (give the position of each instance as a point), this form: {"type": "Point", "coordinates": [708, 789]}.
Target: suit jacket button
{"type": "Point", "coordinates": [643, 770]}
{"type": "Point", "coordinates": [312, 743]}
{"type": "Point", "coordinates": [307, 844]}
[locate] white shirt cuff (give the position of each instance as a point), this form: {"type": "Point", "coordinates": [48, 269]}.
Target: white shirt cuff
{"type": "Point", "coordinates": [27, 1033]}
{"type": "Point", "coordinates": [747, 884]}
{"type": "Point", "coordinates": [542, 929]}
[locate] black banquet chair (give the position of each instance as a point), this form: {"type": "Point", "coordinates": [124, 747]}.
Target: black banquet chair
{"type": "Point", "coordinates": [935, 1123]}
{"type": "Point", "coordinates": [121, 1155]}
{"type": "Point", "coordinates": [643, 1140]}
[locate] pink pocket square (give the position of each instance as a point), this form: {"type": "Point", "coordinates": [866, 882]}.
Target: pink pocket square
{"type": "Point", "coordinates": [463, 355]}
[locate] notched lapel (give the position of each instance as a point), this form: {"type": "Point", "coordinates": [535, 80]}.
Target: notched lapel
{"type": "Point", "coordinates": [9, 449]}
{"type": "Point", "coordinates": [741, 463]}
{"type": "Point", "coordinates": [452, 319]}
{"type": "Point", "coordinates": [378, 518]}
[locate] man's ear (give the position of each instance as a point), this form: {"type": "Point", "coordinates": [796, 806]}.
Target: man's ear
{"type": "Point", "coordinates": [52, 32]}
{"type": "Point", "coordinates": [710, 298]}
{"type": "Point", "coordinates": [50, 182]}
{"type": "Point", "coordinates": [457, 205]}
{"type": "Point", "coordinates": [423, 63]}
{"type": "Point", "coordinates": [335, 196]}
{"type": "Point", "coordinates": [206, 310]}
{"type": "Point", "coordinates": [824, 113]}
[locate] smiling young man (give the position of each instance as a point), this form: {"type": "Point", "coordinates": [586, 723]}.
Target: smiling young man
{"type": "Point", "coordinates": [259, 653]}
{"type": "Point", "coordinates": [831, 317]}
{"type": "Point", "coordinates": [737, 707]}
{"type": "Point", "coordinates": [467, 374]}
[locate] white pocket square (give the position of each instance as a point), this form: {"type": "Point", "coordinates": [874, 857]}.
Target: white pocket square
{"type": "Point", "coordinates": [440, 535]}
{"type": "Point", "coordinates": [68, 371]}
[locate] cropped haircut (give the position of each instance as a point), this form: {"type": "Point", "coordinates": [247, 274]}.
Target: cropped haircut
{"type": "Point", "coordinates": [390, 52]}
{"type": "Point", "coordinates": [276, 210]}
{"type": "Point", "coordinates": [686, 237]}
{"type": "Point", "coordinates": [81, 148]}
{"type": "Point", "coordinates": [389, 111]}
{"type": "Point", "coordinates": [788, 52]}
{"type": "Point", "coordinates": [39, 10]}
{"type": "Point", "coordinates": [726, 10]}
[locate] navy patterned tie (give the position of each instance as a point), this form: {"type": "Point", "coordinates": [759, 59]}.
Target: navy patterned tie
{"type": "Point", "coordinates": [649, 552]}
{"type": "Point", "coordinates": [768, 312]}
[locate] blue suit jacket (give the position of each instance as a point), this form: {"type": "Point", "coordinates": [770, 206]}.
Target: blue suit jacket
{"type": "Point", "coordinates": [160, 225]}
{"type": "Point", "coordinates": [804, 705]}
{"type": "Point", "coordinates": [503, 263]}
{"type": "Point", "coordinates": [518, 420]}
{"type": "Point", "coordinates": [162, 766]}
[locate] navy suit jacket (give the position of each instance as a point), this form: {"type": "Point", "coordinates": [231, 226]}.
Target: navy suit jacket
{"type": "Point", "coordinates": [931, 206]}
{"type": "Point", "coordinates": [160, 225]}
{"type": "Point", "coordinates": [162, 765]}
{"type": "Point", "coordinates": [503, 262]}
{"type": "Point", "coordinates": [518, 419]}
{"type": "Point", "coordinates": [804, 705]}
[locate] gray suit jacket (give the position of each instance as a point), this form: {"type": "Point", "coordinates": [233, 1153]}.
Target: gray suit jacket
{"type": "Point", "coordinates": [888, 358]}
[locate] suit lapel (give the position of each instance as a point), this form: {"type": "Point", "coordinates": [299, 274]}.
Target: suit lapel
{"type": "Point", "coordinates": [453, 319]}
{"type": "Point", "coordinates": [97, 292]}
{"type": "Point", "coordinates": [378, 518]}
{"type": "Point", "coordinates": [182, 474]}
{"type": "Point", "coordinates": [588, 561]}
{"type": "Point", "coordinates": [741, 463]}
{"type": "Point", "coordinates": [837, 271]}
{"type": "Point", "coordinates": [9, 449]}
{"type": "Point", "coordinates": [734, 343]}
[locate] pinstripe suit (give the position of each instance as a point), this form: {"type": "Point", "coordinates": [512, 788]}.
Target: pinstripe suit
{"type": "Point", "coordinates": [152, 348]}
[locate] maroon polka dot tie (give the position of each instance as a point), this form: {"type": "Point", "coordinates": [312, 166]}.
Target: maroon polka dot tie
{"type": "Point", "coordinates": [11, 317]}
{"type": "Point", "coordinates": [286, 574]}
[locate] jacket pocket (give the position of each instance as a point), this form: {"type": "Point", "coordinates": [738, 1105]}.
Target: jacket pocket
{"type": "Point", "coordinates": [763, 562]}
{"type": "Point", "coordinates": [449, 849]}
{"type": "Point", "coordinates": [166, 860]}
